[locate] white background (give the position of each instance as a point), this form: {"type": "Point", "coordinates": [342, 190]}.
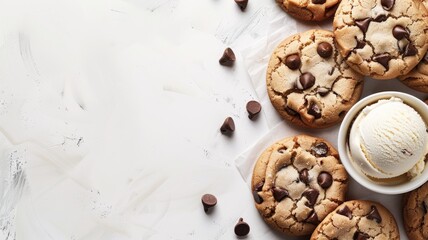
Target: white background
{"type": "Point", "coordinates": [110, 113]}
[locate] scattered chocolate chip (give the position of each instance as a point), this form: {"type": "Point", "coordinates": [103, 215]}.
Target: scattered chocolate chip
{"type": "Point", "coordinates": [313, 218]}
{"type": "Point", "coordinates": [360, 236]}
{"type": "Point", "coordinates": [380, 18]}
{"type": "Point", "coordinates": [320, 149]}
{"type": "Point", "coordinates": [325, 50]}
{"type": "Point", "coordinates": [259, 186]}
{"type": "Point", "coordinates": [291, 111]}
{"type": "Point", "coordinates": [318, 1]}
{"type": "Point", "coordinates": [305, 81]}
{"type": "Point", "coordinates": [325, 180]}
{"type": "Point", "coordinates": [314, 110]}
{"type": "Point", "coordinates": [312, 195]}
{"type": "Point", "coordinates": [406, 152]}
{"type": "Point", "coordinates": [242, 228]}
{"type": "Point", "coordinates": [410, 50]}
{"type": "Point", "coordinates": [363, 24]}
{"type": "Point", "coordinates": [322, 91]}
{"type": "Point", "coordinates": [253, 109]}
{"type": "Point", "coordinates": [293, 62]}
{"type": "Point", "coordinates": [279, 193]}
{"type": "Point", "coordinates": [208, 201]}
{"type": "Point", "coordinates": [374, 215]}
{"type": "Point", "coordinates": [345, 211]}
{"type": "Point", "coordinates": [228, 58]}
{"type": "Point", "coordinates": [228, 126]}
{"type": "Point", "coordinates": [399, 32]}
{"type": "Point", "coordinates": [242, 4]}
{"type": "Point", "coordinates": [360, 44]}
{"type": "Point", "coordinates": [383, 59]}
{"type": "Point", "coordinates": [304, 176]}
{"type": "Point", "coordinates": [257, 198]}
{"type": "Point", "coordinates": [387, 4]}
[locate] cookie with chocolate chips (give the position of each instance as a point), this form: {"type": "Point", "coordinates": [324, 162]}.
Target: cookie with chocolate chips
{"type": "Point", "coordinates": [382, 39]}
{"type": "Point", "coordinates": [309, 10]}
{"type": "Point", "coordinates": [297, 182]}
{"type": "Point", "coordinates": [415, 213]}
{"type": "Point", "coordinates": [358, 220]}
{"type": "Point", "coordinates": [308, 82]}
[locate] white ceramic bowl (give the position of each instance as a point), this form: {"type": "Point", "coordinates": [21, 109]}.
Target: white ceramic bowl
{"type": "Point", "coordinates": [345, 157]}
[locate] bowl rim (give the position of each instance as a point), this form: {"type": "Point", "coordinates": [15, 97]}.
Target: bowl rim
{"type": "Point", "coordinates": [420, 106]}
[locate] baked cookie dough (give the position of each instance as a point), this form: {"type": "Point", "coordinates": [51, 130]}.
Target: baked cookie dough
{"type": "Point", "coordinates": [297, 182]}
{"type": "Point", "coordinates": [415, 213]}
{"type": "Point", "coordinates": [308, 82]}
{"type": "Point", "coordinates": [360, 220]}
{"type": "Point", "coordinates": [309, 10]}
{"type": "Point", "coordinates": [382, 39]}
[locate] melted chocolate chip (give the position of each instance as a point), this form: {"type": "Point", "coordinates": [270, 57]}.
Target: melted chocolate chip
{"type": "Point", "coordinates": [410, 50]}
{"type": "Point", "coordinates": [360, 236]}
{"type": "Point", "coordinates": [314, 110]}
{"type": "Point", "coordinates": [399, 32]}
{"type": "Point", "coordinates": [313, 218]}
{"type": "Point", "coordinates": [312, 195]}
{"type": "Point", "coordinates": [279, 194]}
{"type": "Point", "coordinates": [325, 50]}
{"type": "Point", "coordinates": [322, 91]}
{"type": "Point", "coordinates": [293, 62]}
{"type": "Point", "coordinates": [319, 149]}
{"type": "Point", "coordinates": [325, 180]}
{"type": "Point", "coordinates": [380, 18]}
{"type": "Point", "coordinates": [257, 198]}
{"type": "Point", "coordinates": [305, 81]}
{"type": "Point", "coordinates": [363, 24]}
{"type": "Point", "coordinates": [242, 228]}
{"type": "Point", "coordinates": [304, 176]}
{"type": "Point", "coordinates": [228, 58]}
{"type": "Point", "coordinates": [318, 1]}
{"type": "Point", "coordinates": [360, 44]}
{"type": "Point", "coordinates": [387, 4]}
{"type": "Point", "coordinates": [291, 111]}
{"type": "Point", "coordinates": [228, 126]}
{"type": "Point", "coordinates": [374, 215]}
{"type": "Point", "coordinates": [259, 186]}
{"type": "Point", "coordinates": [345, 211]}
{"type": "Point", "coordinates": [383, 59]}
{"type": "Point", "coordinates": [242, 4]}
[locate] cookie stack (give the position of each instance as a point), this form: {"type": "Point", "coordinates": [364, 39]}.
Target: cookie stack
{"type": "Point", "coordinates": [313, 79]}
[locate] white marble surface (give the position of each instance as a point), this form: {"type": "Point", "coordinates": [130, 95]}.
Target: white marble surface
{"type": "Point", "coordinates": [110, 110]}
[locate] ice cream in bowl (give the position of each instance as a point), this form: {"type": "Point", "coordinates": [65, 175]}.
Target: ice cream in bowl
{"type": "Point", "coordinates": [383, 142]}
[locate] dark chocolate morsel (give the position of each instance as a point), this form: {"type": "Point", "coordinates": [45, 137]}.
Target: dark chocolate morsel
{"type": "Point", "coordinates": [242, 4]}
{"type": "Point", "coordinates": [410, 50]}
{"type": "Point", "coordinates": [279, 193]}
{"type": "Point", "coordinates": [314, 110]}
{"type": "Point", "coordinates": [363, 24]}
{"type": "Point", "coordinates": [312, 195]}
{"type": "Point", "coordinates": [319, 149]}
{"type": "Point", "coordinates": [383, 59]}
{"type": "Point", "coordinates": [325, 50]}
{"type": "Point", "coordinates": [228, 126]}
{"type": "Point", "coordinates": [228, 58]}
{"type": "Point", "coordinates": [257, 198]}
{"type": "Point", "coordinates": [242, 228]}
{"type": "Point", "coordinates": [291, 112]}
{"type": "Point", "coordinates": [345, 211]}
{"type": "Point", "coordinates": [253, 108]}
{"type": "Point", "coordinates": [293, 62]}
{"type": "Point", "coordinates": [360, 44]}
{"type": "Point", "coordinates": [259, 186]}
{"type": "Point", "coordinates": [325, 180]}
{"type": "Point", "coordinates": [380, 18]}
{"type": "Point", "coordinates": [399, 32]}
{"type": "Point", "coordinates": [313, 218]}
{"type": "Point", "coordinates": [305, 81]}
{"type": "Point", "coordinates": [387, 4]}
{"type": "Point", "coordinates": [208, 201]}
{"type": "Point", "coordinates": [304, 176]}
{"type": "Point", "coordinates": [374, 215]}
{"type": "Point", "coordinates": [360, 236]}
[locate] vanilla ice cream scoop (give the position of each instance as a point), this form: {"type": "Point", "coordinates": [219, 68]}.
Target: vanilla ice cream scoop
{"type": "Point", "coordinates": [388, 139]}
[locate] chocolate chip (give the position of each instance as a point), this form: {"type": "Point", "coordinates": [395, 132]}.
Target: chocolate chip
{"type": "Point", "coordinates": [383, 59]}
{"type": "Point", "coordinates": [387, 4]}
{"type": "Point", "coordinates": [312, 195]}
{"type": "Point", "coordinates": [331, 71]}
{"type": "Point", "coordinates": [228, 58]}
{"type": "Point", "coordinates": [320, 149]}
{"type": "Point", "coordinates": [313, 218]}
{"type": "Point", "coordinates": [425, 207]}
{"type": "Point", "coordinates": [325, 50]}
{"type": "Point", "coordinates": [291, 111]}
{"type": "Point", "coordinates": [242, 228]}
{"type": "Point", "coordinates": [228, 126]}
{"type": "Point", "coordinates": [304, 176]}
{"type": "Point", "coordinates": [293, 62]}
{"type": "Point", "coordinates": [360, 44]}
{"type": "Point", "coordinates": [259, 186]}
{"type": "Point", "coordinates": [406, 152]}
{"type": "Point", "coordinates": [305, 81]}
{"type": "Point", "coordinates": [208, 201]}
{"type": "Point", "coordinates": [242, 4]}
{"type": "Point", "coordinates": [363, 24]}
{"type": "Point", "coordinates": [345, 211]}
{"type": "Point", "coordinates": [380, 18]}
{"type": "Point", "coordinates": [318, 1]}
{"type": "Point", "coordinates": [253, 109]}
{"type": "Point", "coordinates": [314, 110]}
{"type": "Point", "coordinates": [410, 50]}
{"type": "Point", "coordinates": [279, 194]}
{"type": "Point", "coordinates": [325, 180]}
{"type": "Point", "coordinates": [399, 32]}
{"type": "Point", "coordinates": [374, 215]}
{"type": "Point", "coordinates": [257, 198]}
{"type": "Point", "coordinates": [322, 91]}
{"type": "Point", "coordinates": [360, 236]}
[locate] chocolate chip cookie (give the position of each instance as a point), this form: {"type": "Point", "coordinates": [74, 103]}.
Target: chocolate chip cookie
{"type": "Point", "coordinates": [417, 79]}
{"type": "Point", "coordinates": [358, 220]}
{"type": "Point", "coordinates": [415, 213]}
{"type": "Point", "coordinates": [297, 182]}
{"type": "Point", "coordinates": [309, 10]}
{"type": "Point", "coordinates": [382, 39]}
{"type": "Point", "coordinates": [308, 82]}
